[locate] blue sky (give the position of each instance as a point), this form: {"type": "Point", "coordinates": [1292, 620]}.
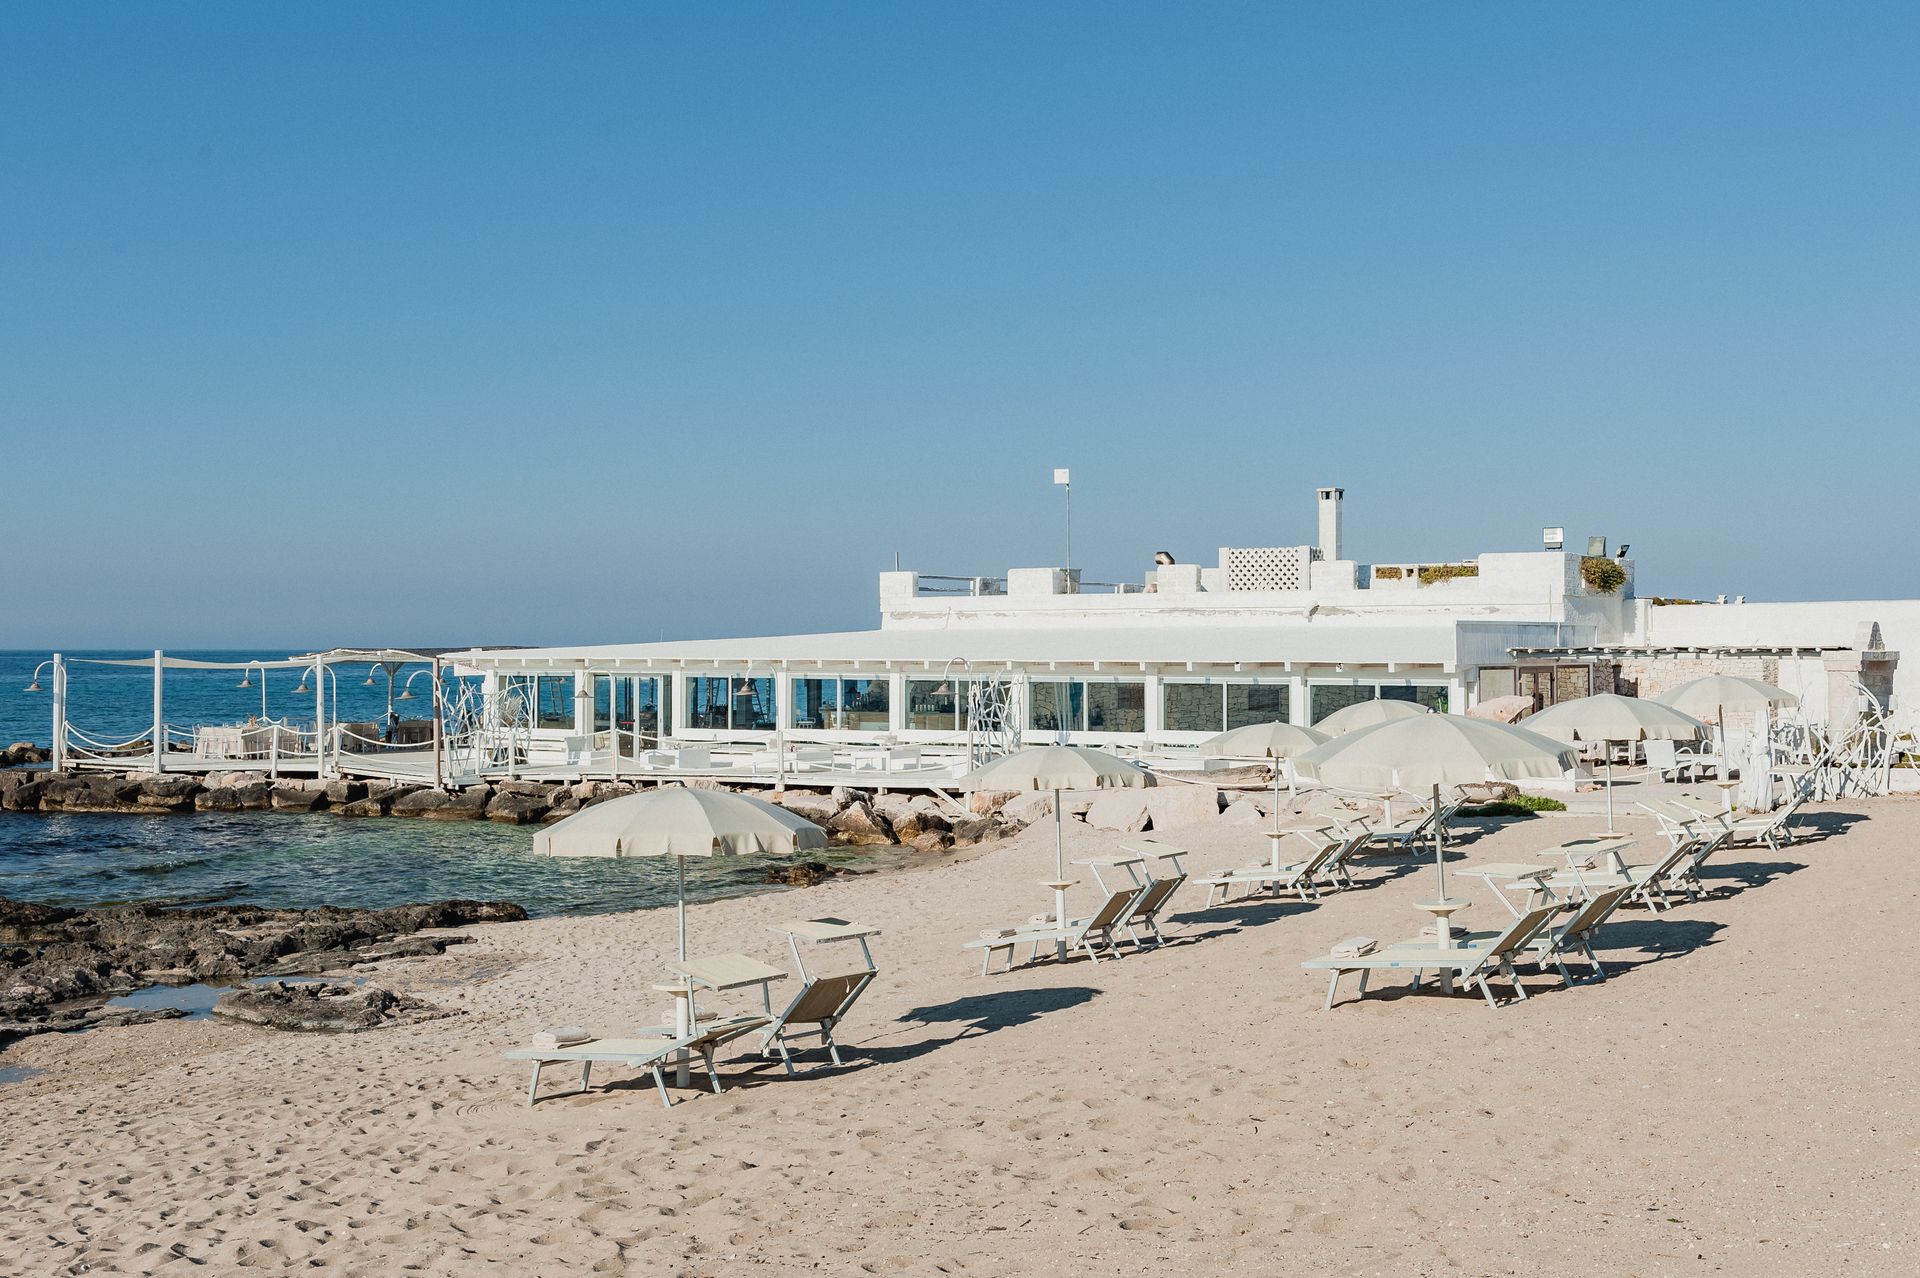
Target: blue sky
{"type": "Point", "coordinates": [484, 323]}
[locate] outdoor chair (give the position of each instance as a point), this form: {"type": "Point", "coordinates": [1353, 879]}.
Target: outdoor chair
{"type": "Point", "coordinates": [1575, 931]}
{"type": "Point", "coordinates": [822, 1001]}
{"type": "Point", "coordinates": [1087, 934]}
{"type": "Point", "coordinates": [1299, 877]}
{"type": "Point", "coordinates": [1151, 903]}
{"type": "Point", "coordinates": [1469, 962]}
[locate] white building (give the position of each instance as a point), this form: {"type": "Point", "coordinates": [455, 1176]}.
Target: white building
{"type": "Point", "coordinates": [1271, 632]}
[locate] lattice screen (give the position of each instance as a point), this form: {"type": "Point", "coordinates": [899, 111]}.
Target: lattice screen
{"type": "Point", "coordinates": [1267, 567]}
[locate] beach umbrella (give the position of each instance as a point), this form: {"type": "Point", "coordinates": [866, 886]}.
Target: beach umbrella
{"type": "Point", "coordinates": [1262, 741]}
{"type": "Point", "coordinates": [680, 822]}
{"type": "Point", "coordinates": [1274, 741]}
{"type": "Point", "coordinates": [1434, 750]}
{"type": "Point", "coordinates": [1611, 717]}
{"type": "Point", "coordinates": [1715, 696]}
{"type": "Point", "coordinates": [1367, 714]}
{"type": "Point", "coordinates": [1057, 768]}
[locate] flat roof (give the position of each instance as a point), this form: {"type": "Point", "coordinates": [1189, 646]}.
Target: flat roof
{"type": "Point", "coordinates": [1426, 643]}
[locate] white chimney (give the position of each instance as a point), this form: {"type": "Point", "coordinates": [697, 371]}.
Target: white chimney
{"type": "Point", "coordinates": [1330, 522]}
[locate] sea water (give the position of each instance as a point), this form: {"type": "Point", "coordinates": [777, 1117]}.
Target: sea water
{"type": "Point", "coordinates": [286, 860]}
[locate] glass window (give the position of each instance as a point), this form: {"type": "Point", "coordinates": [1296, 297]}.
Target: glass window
{"type": "Point", "coordinates": [1433, 698]}
{"type": "Point", "coordinates": [602, 702]}
{"type": "Point", "coordinates": [816, 703]}
{"type": "Point", "coordinates": [516, 700]}
{"type": "Point", "coordinates": [1191, 707]}
{"type": "Point", "coordinates": [555, 702]}
{"type": "Point", "coordinates": [864, 704]}
{"type": "Point", "coordinates": [1054, 706]}
{"type": "Point", "coordinates": [753, 705]}
{"type": "Point", "coordinates": [936, 705]}
{"type": "Point", "coordinates": [1325, 698]}
{"type": "Point", "coordinates": [706, 702]}
{"type": "Point", "coordinates": [1251, 703]}
{"type": "Point", "coordinates": [1116, 707]}
{"type": "Point", "coordinates": [650, 695]}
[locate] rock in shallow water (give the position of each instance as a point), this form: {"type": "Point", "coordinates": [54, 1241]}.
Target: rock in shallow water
{"type": "Point", "coordinates": [51, 956]}
{"type": "Point", "coordinates": [318, 1008]}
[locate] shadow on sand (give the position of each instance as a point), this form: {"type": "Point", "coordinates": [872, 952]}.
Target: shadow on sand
{"type": "Point", "coordinates": [973, 1016]}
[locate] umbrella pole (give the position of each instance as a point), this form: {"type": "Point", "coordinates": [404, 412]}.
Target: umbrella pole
{"type": "Point", "coordinates": [1059, 877]}
{"type": "Point", "coordinates": [683, 1014]}
{"type": "Point", "coordinates": [1439, 853]}
{"type": "Point", "coordinates": [1609, 788]}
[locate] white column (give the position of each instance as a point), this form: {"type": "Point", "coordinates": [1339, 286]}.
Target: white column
{"type": "Point", "coordinates": [1457, 695]}
{"type": "Point", "coordinates": [1156, 708]}
{"type": "Point", "coordinates": [319, 717]}
{"type": "Point", "coordinates": [675, 721]}
{"type": "Point", "coordinates": [583, 704]}
{"type": "Point", "coordinates": [59, 712]}
{"type": "Point", "coordinates": [897, 702]}
{"type": "Point", "coordinates": [439, 746]}
{"type": "Point", "coordinates": [782, 700]}
{"type": "Point", "coordinates": [1298, 712]}
{"type": "Point", "coordinates": [159, 711]}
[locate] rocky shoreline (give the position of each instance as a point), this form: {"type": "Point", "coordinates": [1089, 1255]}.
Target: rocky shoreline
{"type": "Point", "coordinates": [57, 965]}
{"type": "Point", "coordinates": [852, 817]}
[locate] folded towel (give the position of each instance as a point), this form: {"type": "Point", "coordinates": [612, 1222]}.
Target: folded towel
{"type": "Point", "coordinates": [570, 1036]}
{"type": "Point", "coordinates": [1355, 946]}
{"type": "Point", "coordinates": [998, 933]}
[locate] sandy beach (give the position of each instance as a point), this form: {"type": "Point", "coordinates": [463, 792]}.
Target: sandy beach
{"type": "Point", "coordinates": [1741, 1098]}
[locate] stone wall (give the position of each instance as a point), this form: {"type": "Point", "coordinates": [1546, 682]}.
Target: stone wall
{"type": "Point", "coordinates": [1656, 675]}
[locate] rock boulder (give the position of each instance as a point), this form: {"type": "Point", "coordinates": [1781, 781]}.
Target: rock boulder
{"type": "Point", "coordinates": [1173, 806]}
{"type": "Point", "coordinates": [1122, 810]}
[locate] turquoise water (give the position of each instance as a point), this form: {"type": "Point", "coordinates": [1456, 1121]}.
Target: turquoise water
{"type": "Point", "coordinates": [116, 702]}
{"type": "Point", "coordinates": [279, 859]}
{"type": "Point", "coordinates": [84, 859]}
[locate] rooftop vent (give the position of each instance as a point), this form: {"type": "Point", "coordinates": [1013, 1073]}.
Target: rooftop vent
{"type": "Point", "coordinates": [1329, 546]}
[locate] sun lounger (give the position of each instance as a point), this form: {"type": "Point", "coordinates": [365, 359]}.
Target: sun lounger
{"type": "Point", "coordinates": [1468, 963]}
{"type": "Point", "coordinates": [1652, 885]}
{"type": "Point", "coordinates": [648, 1052]}
{"type": "Point", "coordinates": [1705, 833]}
{"type": "Point", "coordinates": [1331, 845]}
{"type": "Point", "coordinates": [1770, 828]}
{"type": "Point", "coordinates": [823, 1001]}
{"type": "Point", "coordinates": [1408, 832]}
{"type": "Point", "coordinates": [1572, 931]}
{"type": "Point", "coordinates": [1088, 934]}
{"type": "Point", "coordinates": [1146, 910]}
